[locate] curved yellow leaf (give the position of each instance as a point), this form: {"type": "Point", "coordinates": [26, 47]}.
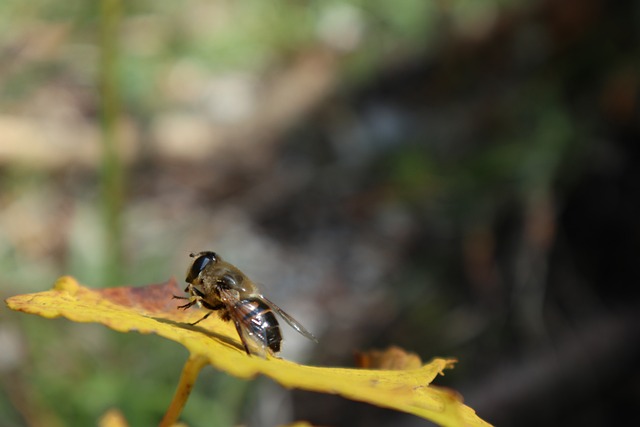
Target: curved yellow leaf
{"type": "Point", "coordinates": [393, 358]}
{"type": "Point", "coordinates": [151, 309]}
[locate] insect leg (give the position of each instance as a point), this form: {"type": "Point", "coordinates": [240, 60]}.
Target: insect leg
{"type": "Point", "coordinates": [195, 297]}
{"type": "Point", "coordinates": [205, 305]}
{"type": "Point", "coordinates": [192, 302]}
{"type": "Point", "coordinates": [204, 317]}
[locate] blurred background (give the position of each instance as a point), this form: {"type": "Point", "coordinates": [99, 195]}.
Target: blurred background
{"type": "Point", "coordinates": [457, 177]}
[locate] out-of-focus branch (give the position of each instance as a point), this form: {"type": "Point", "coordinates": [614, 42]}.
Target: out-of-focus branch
{"type": "Point", "coordinates": [112, 178]}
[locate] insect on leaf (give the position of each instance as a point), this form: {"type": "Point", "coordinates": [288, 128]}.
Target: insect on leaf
{"type": "Point", "coordinates": [151, 310]}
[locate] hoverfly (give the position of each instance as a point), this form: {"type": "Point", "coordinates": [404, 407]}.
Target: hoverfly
{"type": "Point", "coordinates": [220, 286]}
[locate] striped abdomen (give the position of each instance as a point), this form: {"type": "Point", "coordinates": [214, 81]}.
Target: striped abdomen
{"type": "Point", "coordinates": [258, 319]}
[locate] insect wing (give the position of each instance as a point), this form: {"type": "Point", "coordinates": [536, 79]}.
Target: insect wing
{"type": "Point", "coordinates": [253, 339]}
{"type": "Point", "coordinates": [254, 342]}
{"type": "Point", "coordinates": [289, 319]}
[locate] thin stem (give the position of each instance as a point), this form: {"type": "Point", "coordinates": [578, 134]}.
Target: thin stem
{"type": "Point", "coordinates": [190, 372]}
{"type": "Point", "coordinates": [112, 170]}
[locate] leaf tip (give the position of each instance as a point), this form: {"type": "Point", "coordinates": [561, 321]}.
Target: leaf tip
{"type": "Point", "coordinates": [449, 363]}
{"type": "Point", "coordinates": [66, 284]}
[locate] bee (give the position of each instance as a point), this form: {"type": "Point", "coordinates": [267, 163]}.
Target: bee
{"type": "Point", "coordinates": [220, 286]}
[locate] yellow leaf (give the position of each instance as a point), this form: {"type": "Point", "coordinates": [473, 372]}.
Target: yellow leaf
{"type": "Point", "coordinates": [151, 309]}
{"type": "Point", "coordinates": [393, 358]}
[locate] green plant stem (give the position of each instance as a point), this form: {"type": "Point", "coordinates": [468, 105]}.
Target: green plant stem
{"type": "Point", "coordinates": [112, 178]}
{"type": "Point", "coordinates": [190, 372]}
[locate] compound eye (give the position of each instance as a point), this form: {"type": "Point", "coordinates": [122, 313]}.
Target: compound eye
{"type": "Point", "coordinates": [198, 265]}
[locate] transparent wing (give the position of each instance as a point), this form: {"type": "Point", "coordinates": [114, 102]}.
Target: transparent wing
{"type": "Point", "coordinates": [254, 340]}
{"type": "Point", "coordinates": [290, 320]}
